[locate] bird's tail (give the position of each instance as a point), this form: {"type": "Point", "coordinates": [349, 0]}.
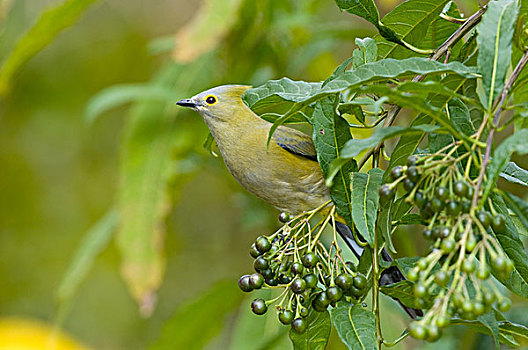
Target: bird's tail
{"type": "Point", "coordinates": [388, 276]}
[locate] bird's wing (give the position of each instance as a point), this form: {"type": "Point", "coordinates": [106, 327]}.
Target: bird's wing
{"type": "Point", "coordinates": [295, 142]}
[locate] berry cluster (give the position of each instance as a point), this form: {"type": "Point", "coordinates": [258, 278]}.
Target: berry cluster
{"type": "Point", "coordinates": [312, 277]}
{"type": "Point", "coordinates": [463, 247]}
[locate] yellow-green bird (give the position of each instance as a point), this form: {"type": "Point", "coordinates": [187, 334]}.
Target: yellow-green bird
{"type": "Point", "coordinates": [285, 174]}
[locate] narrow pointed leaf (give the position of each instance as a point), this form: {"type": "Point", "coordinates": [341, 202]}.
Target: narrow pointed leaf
{"type": "Point", "coordinates": [495, 46]}
{"type": "Point", "coordinates": [355, 326]}
{"type": "Point", "coordinates": [330, 133]}
{"type": "Point", "coordinates": [514, 173]}
{"type": "Point", "coordinates": [365, 199]}
{"type": "Point", "coordinates": [41, 34]}
{"type": "Point", "coordinates": [362, 8]}
{"type": "Point", "coordinates": [519, 207]}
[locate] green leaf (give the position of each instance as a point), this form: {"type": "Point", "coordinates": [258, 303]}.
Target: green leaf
{"type": "Point", "coordinates": [513, 329]}
{"type": "Point", "coordinates": [384, 225]}
{"type": "Point", "coordinates": [504, 330]}
{"type": "Point", "coordinates": [519, 207]}
{"type": "Point", "coordinates": [441, 29]}
{"type": "Point", "coordinates": [489, 321]}
{"type": "Point", "coordinates": [151, 144]}
{"type": "Point", "coordinates": [516, 143]}
{"type": "Point", "coordinates": [94, 241]}
{"type": "Point", "coordinates": [411, 219]}
{"type": "Point", "coordinates": [512, 245]}
{"type": "Point", "coordinates": [288, 92]}
{"type": "Point", "coordinates": [410, 21]}
{"type": "Point", "coordinates": [362, 8]}
{"type": "Point", "coordinates": [367, 52]}
{"type": "Point", "coordinates": [495, 46]}
{"type": "Point", "coordinates": [330, 133]}
{"type": "Point", "coordinates": [119, 94]}
{"type": "Point", "coordinates": [317, 332]}
{"type": "Point", "coordinates": [355, 326]}
{"type": "Point", "coordinates": [365, 199]}
{"type": "Point", "coordinates": [408, 144]}
{"type": "Point", "coordinates": [201, 319]}
{"type": "Point", "coordinates": [41, 34]}
{"type": "Point", "coordinates": [514, 173]}
{"type": "Point", "coordinates": [356, 146]}
{"type": "Point", "coordinates": [404, 292]}
{"type": "Point", "coordinates": [458, 113]}
{"type": "Point", "coordinates": [406, 100]}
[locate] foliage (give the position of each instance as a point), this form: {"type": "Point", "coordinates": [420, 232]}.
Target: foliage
{"type": "Point", "coordinates": [412, 85]}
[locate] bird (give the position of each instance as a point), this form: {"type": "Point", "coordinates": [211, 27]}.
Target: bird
{"type": "Point", "coordinates": [284, 172]}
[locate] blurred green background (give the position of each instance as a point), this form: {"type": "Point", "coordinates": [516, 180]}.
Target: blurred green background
{"type": "Point", "coordinates": [61, 173]}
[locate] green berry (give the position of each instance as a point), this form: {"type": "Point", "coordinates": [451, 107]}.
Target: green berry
{"type": "Point", "coordinates": [498, 223]}
{"type": "Point", "coordinates": [433, 333]}
{"type": "Point", "coordinates": [408, 185]}
{"type": "Point", "coordinates": [468, 266]}
{"type": "Point", "coordinates": [443, 321]}
{"type": "Point", "coordinates": [284, 217]}
{"type": "Point", "coordinates": [256, 280]}
{"type": "Point", "coordinates": [355, 292]}
{"type": "Point", "coordinates": [286, 317]}
{"type": "Point", "coordinates": [262, 244]}
{"type": "Point", "coordinates": [344, 281]}
{"type": "Point", "coordinates": [422, 264]}
{"type": "Point", "coordinates": [419, 199]}
{"type": "Point", "coordinates": [396, 173]}
{"type": "Point", "coordinates": [441, 278]}
{"type": "Point", "coordinates": [244, 284]}
{"type": "Point", "coordinates": [413, 174]}
{"type": "Point", "coordinates": [311, 280]}
{"type": "Point", "coordinates": [471, 244]}
{"type": "Point", "coordinates": [303, 312]}
{"type": "Point", "coordinates": [272, 282]}
{"type": "Point", "coordinates": [261, 264]}
{"type": "Point", "coordinates": [320, 302]}
{"type": "Point", "coordinates": [259, 307]}
{"type": "Point", "coordinates": [437, 205]}
{"type": "Point", "coordinates": [309, 260]}
{"type": "Point", "coordinates": [427, 233]}
{"type": "Point", "coordinates": [413, 275]}
{"type": "Point", "coordinates": [484, 217]}
{"type": "Point", "coordinates": [499, 264]}
{"type": "Point", "coordinates": [284, 279]}
{"type": "Point", "coordinates": [479, 308]}
{"type": "Point", "coordinates": [411, 160]}
{"type": "Point", "coordinates": [299, 325]}
{"type": "Point", "coordinates": [267, 274]}
{"type": "Point", "coordinates": [441, 193]}
{"type": "Point", "coordinates": [453, 208]}
{"type": "Point", "coordinates": [297, 268]}
{"type": "Point", "coordinates": [386, 194]}
{"type": "Point", "coordinates": [360, 281]}
{"type": "Point", "coordinates": [334, 294]}
{"type": "Point", "coordinates": [461, 188]}
{"type": "Point", "coordinates": [298, 285]}
{"type": "Point", "coordinates": [420, 291]}
{"type": "Point", "coordinates": [417, 331]}
{"type": "Point", "coordinates": [467, 306]}
{"type": "Point", "coordinates": [483, 272]}
{"type": "Point", "coordinates": [504, 305]}
{"type": "Point", "coordinates": [253, 251]}
{"type": "Point", "coordinates": [448, 246]}
{"type": "Point", "coordinates": [489, 298]}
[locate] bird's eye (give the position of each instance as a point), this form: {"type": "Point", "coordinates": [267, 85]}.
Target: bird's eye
{"type": "Point", "coordinates": [210, 100]}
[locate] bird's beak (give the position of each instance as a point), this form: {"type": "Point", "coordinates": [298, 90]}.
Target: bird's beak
{"type": "Point", "coordinates": [187, 103]}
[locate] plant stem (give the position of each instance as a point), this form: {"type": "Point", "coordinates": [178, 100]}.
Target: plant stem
{"type": "Point", "coordinates": [375, 291]}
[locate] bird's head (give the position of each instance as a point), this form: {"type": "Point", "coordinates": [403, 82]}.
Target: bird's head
{"type": "Point", "coordinates": [218, 103]}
